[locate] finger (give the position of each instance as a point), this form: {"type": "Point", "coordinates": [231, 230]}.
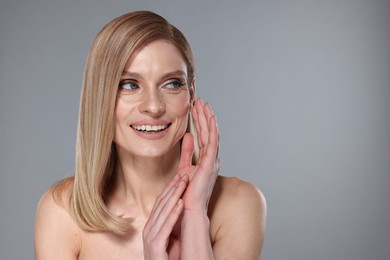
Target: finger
{"type": "Point", "coordinates": [215, 132]}
{"type": "Point", "coordinates": [213, 141]}
{"type": "Point", "coordinates": [187, 150]}
{"type": "Point", "coordinates": [211, 153]}
{"type": "Point", "coordinates": [168, 224]}
{"type": "Point", "coordinates": [162, 199]}
{"type": "Point", "coordinates": [160, 233]}
{"type": "Point", "coordinates": [208, 170]}
{"type": "Point", "coordinates": [164, 206]}
{"type": "Point", "coordinates": [171, 184]}
{"type": "Point", "coordinates": [218, 165]}
{"type": "Point", "coordinates": [208, 112]}
{"type": "Point", "coordinates": [203, 125]}
{"type": "Point", "coordinates": [186, 179]}
{"type": "Point", "coordinates": [196, 122]}
{"type": "Point", "coordinates": [158, 221]}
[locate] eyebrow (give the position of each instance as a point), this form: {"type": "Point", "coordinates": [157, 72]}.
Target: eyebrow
{"type": "Point", "coordinates": [135, 75]}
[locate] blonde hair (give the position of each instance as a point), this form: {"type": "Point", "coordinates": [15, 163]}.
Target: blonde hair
{"type": "Point", "coordinates": [95, 152]}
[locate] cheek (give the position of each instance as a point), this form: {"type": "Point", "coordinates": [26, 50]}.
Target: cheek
{"type": "Point", "coordinates": [122, 108]}
{"type": "Point", "coordinates": [119, 114]}
{"type": "Point", "coordinates": [180, 106]}
{"type": "Point", "coordinates": [119, 111]}
{"type": "Point", "coordinates": [179, 109]}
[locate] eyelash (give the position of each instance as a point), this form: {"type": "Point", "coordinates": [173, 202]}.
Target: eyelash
{"type": "Point", "coordinates": [176, 85]}
{"type": "Point", "coordinates": [126, 82]}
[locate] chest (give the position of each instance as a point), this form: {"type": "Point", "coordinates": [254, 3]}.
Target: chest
{"type": "Point", "coordinates": [102, 245]}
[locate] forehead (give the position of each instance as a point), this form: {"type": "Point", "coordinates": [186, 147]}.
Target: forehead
{"type": "Point", "coordinates": [159, 56]}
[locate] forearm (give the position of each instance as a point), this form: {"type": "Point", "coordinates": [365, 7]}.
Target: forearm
{"type": "Point", "coordinates": [195, 233]}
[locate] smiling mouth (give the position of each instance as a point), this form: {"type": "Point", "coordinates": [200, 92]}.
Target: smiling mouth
{"type": "Point", "coordinates": [150, 128]}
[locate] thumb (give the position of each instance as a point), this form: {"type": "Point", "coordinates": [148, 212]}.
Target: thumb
{"type": "Point", "coordinates": [187, 149]}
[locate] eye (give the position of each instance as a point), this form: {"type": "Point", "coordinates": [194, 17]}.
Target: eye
{"type": "Point", "coordinates": [128, 85]}
{"type": "Point", "coordinates": [174, 86]}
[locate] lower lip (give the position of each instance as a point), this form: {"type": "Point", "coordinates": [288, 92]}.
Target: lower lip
{"type": "Point", "coordinates": [151, 135]}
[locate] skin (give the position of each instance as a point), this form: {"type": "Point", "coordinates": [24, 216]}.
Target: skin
{"type": "Point", "coordinates": [180, 210]}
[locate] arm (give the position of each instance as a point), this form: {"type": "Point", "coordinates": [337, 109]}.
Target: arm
{"type": "Point", "coordinates": [196, 243]}
{"type": "Point", "coordinates": [239, 217]}
{"type": "Point", "coordinates": [56, 235]}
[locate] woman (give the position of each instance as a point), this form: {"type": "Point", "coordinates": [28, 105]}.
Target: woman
{"type": "Point", "coordinates": [141, 190]}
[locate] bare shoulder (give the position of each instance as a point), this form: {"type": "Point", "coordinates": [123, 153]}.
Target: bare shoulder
{"type": "Point", "coordinates": [56, 200]}
{"type": "Point", "coordinates": [56, 234]}
{"type": "Point", "coordinates": [232, 192]}
{"type": "Point", "coordinates": [237, 213]}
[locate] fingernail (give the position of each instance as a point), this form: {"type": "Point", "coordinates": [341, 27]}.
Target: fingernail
{"type": "Point", "coordinates": [175, 178]}
{"type": "Point", "coordinates": [185, 178]}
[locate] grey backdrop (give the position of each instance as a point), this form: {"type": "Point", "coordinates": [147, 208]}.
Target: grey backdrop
{"type": "Point", "coordinates": [301, 90]}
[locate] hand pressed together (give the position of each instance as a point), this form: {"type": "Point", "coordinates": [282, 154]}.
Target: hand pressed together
{"type": "Point", "coordinates": [186, 197]}
{"type": "Point", "coordinates": [202, 176]}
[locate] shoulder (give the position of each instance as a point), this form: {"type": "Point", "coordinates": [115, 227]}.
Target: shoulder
{"type": "Point", "coordinates": [56, 234]}
{"type": "Point", "coordinates": [232, 192]}
{"type": "Point", "coordinates": [237, 212]}
{"type": "Point", "coordinates": [56, 200]}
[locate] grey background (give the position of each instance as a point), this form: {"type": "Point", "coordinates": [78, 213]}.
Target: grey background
{"type": "Point", "coordinates": [301, 90]}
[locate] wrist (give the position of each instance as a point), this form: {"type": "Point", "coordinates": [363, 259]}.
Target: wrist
{"type": "Point", "coordinates": [196, 220]}
{"type": "Point", "coordinates": [195, 233]}
{"type": "Point", "coordinates": [196, 214]}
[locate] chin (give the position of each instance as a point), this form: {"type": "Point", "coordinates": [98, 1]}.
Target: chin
{"type": "Point", "coordinates": [144, 150]}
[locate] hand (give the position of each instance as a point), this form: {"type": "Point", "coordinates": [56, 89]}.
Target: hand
{"type": "Point", "coordinates": [160, 239]}
{"type": "Point", "coordinates": [162, 235]}
{"type": "Point", "coordinates": [202, 176]}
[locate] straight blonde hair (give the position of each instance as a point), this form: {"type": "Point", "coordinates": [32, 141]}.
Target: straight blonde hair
{"type": "Point", "coordinates": [95, 152]}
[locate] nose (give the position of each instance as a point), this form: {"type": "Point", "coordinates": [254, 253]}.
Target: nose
{"type": "Point", "coordinates": [152, 103]}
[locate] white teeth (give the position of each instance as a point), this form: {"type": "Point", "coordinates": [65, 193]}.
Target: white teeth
{"type": "Point", "coordinates": [148, 128]}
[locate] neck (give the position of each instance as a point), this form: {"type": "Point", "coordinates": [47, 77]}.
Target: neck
{"type": "Point", "coordinates": [139, 180]}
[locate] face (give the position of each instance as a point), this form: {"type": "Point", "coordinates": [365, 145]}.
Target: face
{"type": "Point", "coordinates": [153, 101]}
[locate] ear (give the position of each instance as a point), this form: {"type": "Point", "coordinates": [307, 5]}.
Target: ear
{"type": "Point", "coordinates": [192, 92]}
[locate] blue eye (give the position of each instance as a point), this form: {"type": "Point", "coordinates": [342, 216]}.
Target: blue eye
{"type": "Point", "coordinates": [128, 85]}
{"type": "Point", "coordinates": [174, 86]}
